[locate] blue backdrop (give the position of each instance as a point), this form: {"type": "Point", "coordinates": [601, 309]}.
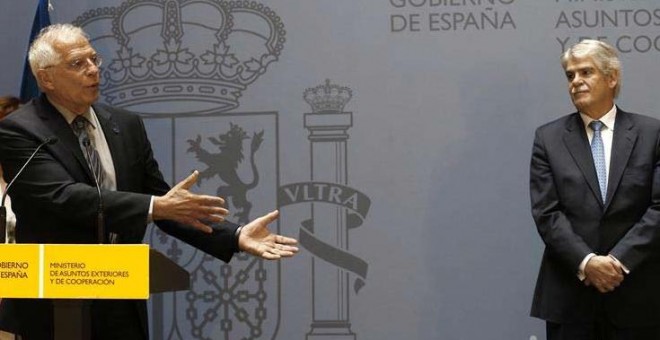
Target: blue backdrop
{"type": "Point", "coordinates": [394, 136]}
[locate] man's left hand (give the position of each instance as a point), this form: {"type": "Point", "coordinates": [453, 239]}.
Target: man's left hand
{"type": "Point", "coordinates": [256, 239]}
{"type": "Point", "coordinates": [604, 273]}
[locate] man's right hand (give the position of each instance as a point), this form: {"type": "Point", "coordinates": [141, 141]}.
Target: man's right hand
{"type": "Point", "coordinates": [183, 206]}
{"type": "Point", "coordinates": [604, 273]}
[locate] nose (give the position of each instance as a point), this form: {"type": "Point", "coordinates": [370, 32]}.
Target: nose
{"type": "Point", "coordinates": [91, 68]}
{"type": "Point", "coordinates": [91, 63]}
{"type": "Point", "coordinates": [576, 82]}
{"type": "Point", "coordinates": [576, 79]}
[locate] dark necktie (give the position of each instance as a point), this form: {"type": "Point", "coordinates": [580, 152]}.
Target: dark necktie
{"type": "Point", "coordinates": [598, 153]}
{"type": "Point", "coordinates": [79, 125]}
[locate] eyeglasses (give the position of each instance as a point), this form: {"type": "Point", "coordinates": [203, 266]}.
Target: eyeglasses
{"type": "Point", "coordinates": [81, 64]}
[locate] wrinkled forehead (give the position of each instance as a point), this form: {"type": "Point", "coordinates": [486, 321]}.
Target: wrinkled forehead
{"type": "Point", "coordinates": [73, 49]}
{"type": "Point", "coordinates": [580, 62]}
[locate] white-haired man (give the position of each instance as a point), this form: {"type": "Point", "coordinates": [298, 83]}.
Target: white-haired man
{"type": "Point", "coordinates": [56, 199]}
{"type": "Point", "coordinates": [595, 193]}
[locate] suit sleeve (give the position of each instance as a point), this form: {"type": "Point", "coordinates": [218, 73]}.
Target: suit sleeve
{"type": "Point", "coordinates": [221, 243]}
{"type": "Point", "coordinates": [552, 223]}
{"type": "Point", "coordinates": [643, 239]}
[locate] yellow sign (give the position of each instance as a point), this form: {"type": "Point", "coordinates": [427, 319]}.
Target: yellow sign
{"type": "Point", "coordinates": [66, 271]}
{"type": "Point", "coordinates": [19, 270]}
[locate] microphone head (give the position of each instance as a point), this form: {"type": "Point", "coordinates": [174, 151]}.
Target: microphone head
{"type": "Point", "coordinates": [52, 140]}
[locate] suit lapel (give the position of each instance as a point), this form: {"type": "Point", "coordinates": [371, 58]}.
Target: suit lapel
{"type": "Point", "coordinates": [67, 150]}
{"type": "Point", "coordinates": [575, 139]}
{"type": "Point", "coordinates": [622, 145]}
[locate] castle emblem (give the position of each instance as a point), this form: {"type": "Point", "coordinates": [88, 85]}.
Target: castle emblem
{"type": "Point", "coordinates": [183, 65]}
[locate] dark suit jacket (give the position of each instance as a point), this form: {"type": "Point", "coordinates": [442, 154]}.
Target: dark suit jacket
{"type": "Point", "coordinates": [55, 199]}
{"type": "Point", "coordinates": [573, 221]}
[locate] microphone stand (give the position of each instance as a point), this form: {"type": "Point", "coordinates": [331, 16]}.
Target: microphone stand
{"type": "Point", "coordinates": [100, 220]}
{"type": "Point", "coordinates": [3, 209]}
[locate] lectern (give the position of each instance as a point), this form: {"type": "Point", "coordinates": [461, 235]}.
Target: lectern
{"type": "Point", "coordinates": [45, 271]}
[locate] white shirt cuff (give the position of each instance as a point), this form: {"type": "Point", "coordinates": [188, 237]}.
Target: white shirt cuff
{"type": "Point", "coordinates": [150, 217]}
{"type": "Point", "coordinates": [583, 264]}
{"type": "Point", "coordinates": [625, 269]}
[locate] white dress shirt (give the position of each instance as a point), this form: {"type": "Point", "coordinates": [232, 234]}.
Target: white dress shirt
{"type": "Point", "coordinates": [97, 138]}
{"type": "Point", "coordinates": [607, 135]}
{"type": "Point", "coordinates": [99, 141]}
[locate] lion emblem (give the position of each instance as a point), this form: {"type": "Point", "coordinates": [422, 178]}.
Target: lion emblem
{"type": "Point", "coordinates": [225, 163]}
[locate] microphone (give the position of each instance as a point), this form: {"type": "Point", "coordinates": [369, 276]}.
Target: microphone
{"type": "Point", "coordinates": [3, 209]}
{"type": "Point", "coordinates": [100, 219]}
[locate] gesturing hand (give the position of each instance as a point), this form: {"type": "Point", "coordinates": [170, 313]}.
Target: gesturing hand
{"type": "Point", "coordinates": [183, 206]}
{"type": "Point", "coordinates": [256, 239]}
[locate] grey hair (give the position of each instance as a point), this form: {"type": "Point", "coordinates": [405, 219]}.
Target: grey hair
{"type": "Point", "coordinates": [603, 54]}
{"type": "Point", "coordinates": [42, 53]}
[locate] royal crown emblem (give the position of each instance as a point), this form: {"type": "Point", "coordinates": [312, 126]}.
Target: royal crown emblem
{"type": "Point", "coordinates": [327, 97]}
{"type": "Point", "coordinates": [180, 53]}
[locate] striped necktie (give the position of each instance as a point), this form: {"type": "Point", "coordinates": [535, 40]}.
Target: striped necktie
{"type": "Point", "coordinates": [79, 126]}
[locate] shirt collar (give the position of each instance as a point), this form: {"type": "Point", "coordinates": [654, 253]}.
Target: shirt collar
{"type": "Point", "coordinates": [70, 116]}
{"type": "Point", "coordinates": [607, 120]}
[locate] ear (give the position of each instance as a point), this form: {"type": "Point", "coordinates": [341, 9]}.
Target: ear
{"type": "Point", "coordinates": [45, 79]}
{"type": "Point", "coordinates": [613, 79]}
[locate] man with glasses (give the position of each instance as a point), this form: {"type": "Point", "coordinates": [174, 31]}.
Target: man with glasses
{"type": "Point", "coordinates": [56, 198]}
